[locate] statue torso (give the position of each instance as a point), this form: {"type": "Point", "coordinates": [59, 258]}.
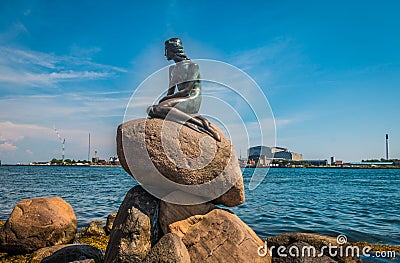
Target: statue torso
{"type": "Point", "coordinates": [182, 75]}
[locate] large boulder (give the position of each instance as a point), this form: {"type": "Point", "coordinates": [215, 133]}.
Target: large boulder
{"type": "Point", "coordinates": [135, 227]}
{"type": "Point", "coordinates": [298, 242]}
{"type": "Point", "coordinates": [36, 223]}
{"type": "Point", "coordinates": [166, 156]}
{"type": "Point", "coordinates": [219, 236]}
{"type": "Point", "coordinates": [170, 249]}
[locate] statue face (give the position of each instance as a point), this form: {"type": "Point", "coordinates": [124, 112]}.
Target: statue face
{"type": "Point", "coordinates": [169, 54]}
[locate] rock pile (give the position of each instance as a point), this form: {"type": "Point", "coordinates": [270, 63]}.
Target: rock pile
{"type": "Point", "coordinates": [151, 230]}
{"type": "Point", "coordinates": [161, 221]}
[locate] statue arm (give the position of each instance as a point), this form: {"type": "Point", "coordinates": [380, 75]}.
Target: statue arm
{"type": "Point", "coordinates": [194, 71]}
{"type": "Point", "coordinates": [180, 94]}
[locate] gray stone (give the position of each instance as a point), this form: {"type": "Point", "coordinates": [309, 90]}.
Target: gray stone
{"type": "Point", "coordinates": [129, 241]}
{"type": "Point", "coordinates": [157, 151]}
{"type": "Point", "coordinates": [36, 223]}
{"type": "Point", "coordinates": [135, 227]}
{"type": "Point", "coordinates": [169, 249]}
{"type": "Point", "coordinates": [219, 236]}
{"type": "Point", "coordinates": [74, 253]}
{"type": "Point", "coordinates": [45, 252]}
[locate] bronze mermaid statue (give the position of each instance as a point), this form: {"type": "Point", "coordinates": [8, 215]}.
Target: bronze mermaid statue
{"type": "Point", "coordinates": [183, 105]}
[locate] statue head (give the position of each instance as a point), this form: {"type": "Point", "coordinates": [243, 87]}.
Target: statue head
{"type": "Point", "coordinates": [174, 49]}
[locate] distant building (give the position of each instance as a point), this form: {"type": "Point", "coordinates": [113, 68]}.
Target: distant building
{"type": "Point", "coordinates": [102, 162]}
{"type": "Point", "coordinates": [361, 164]}
{"type": "Point", "coordinates": [263, 155]}
{"type": "Point", "coordinates": [315, 162]}
{"type": "Point", "coordinates": [40, 163]}
{"type": "Point", "coordinates": [256, 152]}
{"type": "Point", "coordinates": [338, 162]}
{"type": "Point", "coordinates": [333, 159]}
{"type": "Point", "coordinates": [114, 161]}
{"type": "Point", "coordinates": [288, 156]}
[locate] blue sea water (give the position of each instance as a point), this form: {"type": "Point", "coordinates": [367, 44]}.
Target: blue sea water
{"type": "Point", "coordinates": [363, 204]}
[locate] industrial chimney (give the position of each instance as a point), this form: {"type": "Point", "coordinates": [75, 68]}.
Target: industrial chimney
{"type": "Point", "coordinates": [387, 146]}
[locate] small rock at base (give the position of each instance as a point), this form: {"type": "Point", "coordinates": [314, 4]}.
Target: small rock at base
{"type": "Point", "coordinates": [110, 221]}
{"type": "Point", "coordinates": [75, 253]}
{"type": "Point", "coordinates": [95, 228]}
{"type": "Point", "coordinates": [169, 249]}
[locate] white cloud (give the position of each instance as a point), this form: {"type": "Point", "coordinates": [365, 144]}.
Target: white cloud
{"type": "Point", "coordinates": [32, 68]}
{"type": "Point", "coordinates": [15, 132]}
{"type": "Point", "coordinates": [254, 57]}
{"type": "Point", "coordinates": [7, 147]}
{"type": "Point", "coordinates": [12, 132]}
{"type": "Point", "coordinates": [283, 122]}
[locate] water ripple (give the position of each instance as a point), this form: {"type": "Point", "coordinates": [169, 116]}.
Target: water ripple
{"type": "Point", "coordinates": [362, 204]}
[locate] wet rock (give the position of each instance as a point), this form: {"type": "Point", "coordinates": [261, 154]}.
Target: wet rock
{"type": "Point", "coordinates": [157, 152]}
{"type": "Point", "coordinates": [171, 213]}
{"type": "Point", "coordinates": [95, 228]}
{"type": "Point", "coordinates": [84, 261]}
{"type": "Point", "coordinates": [297, 242]}
{"type": "Point", "coordinates": [71, 253]}
{"type": "Point", "coordinates": [36, 223]}
{"type": "Point", "coordinates": [135, 227]}
{"type": "Point", "coordinates": [130, 241]}
{"type": "Point", "coordinates": [110, 221]}
{"type": "Point", "coordinates": [219, 236]}
{"type": "Point", "coordinates": [45, 252]}
{"type": "Point", "coordinates": [169, 249]}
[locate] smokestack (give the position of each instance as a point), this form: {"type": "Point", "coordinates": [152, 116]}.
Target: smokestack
{"type": "Point", "coordinates": [387, 146]}
{"type": "Point", "coordinates": [88, 154]}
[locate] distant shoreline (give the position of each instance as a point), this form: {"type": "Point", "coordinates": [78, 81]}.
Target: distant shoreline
{"type": "Point", "coordinates": [41, 165]}
{"type": "Point", "coordinates": [326, 167]}
{"type": "Point", "coordinates": [272, 167]}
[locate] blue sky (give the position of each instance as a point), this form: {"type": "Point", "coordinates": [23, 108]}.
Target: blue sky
{"type": "Point", "coordinates": [330, 70]}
